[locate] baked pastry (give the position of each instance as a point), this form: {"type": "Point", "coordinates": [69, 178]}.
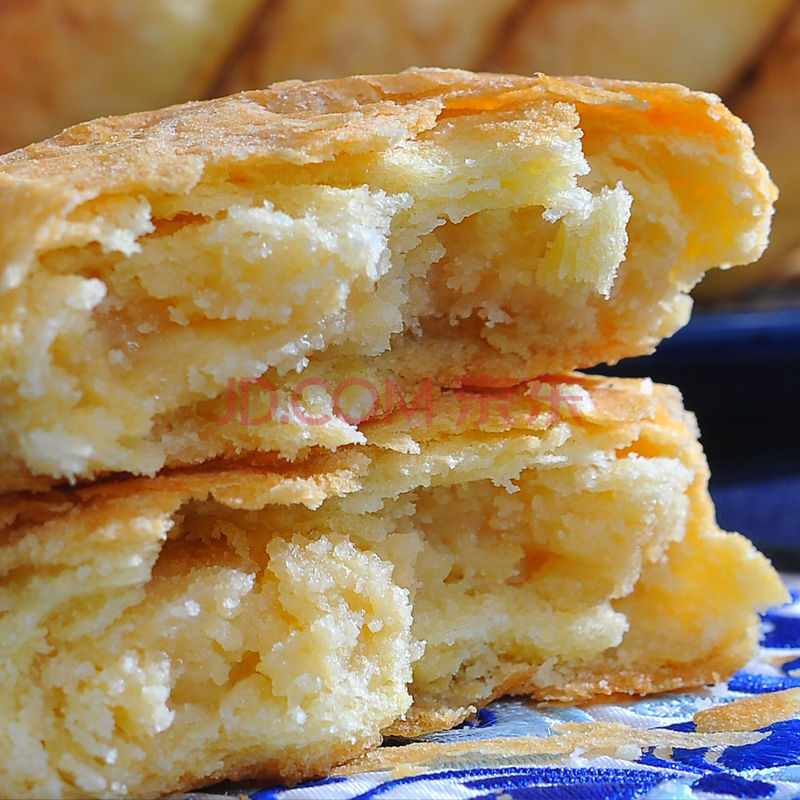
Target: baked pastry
{"type": "Point", "coordinates": [351, 38]}
{"type": "Point", "coordinates": [705, 45]}
{"type": "Point", "coordinates": [554, 539]}
{"type": "Point", "coordinates": [702, 45]}
{"type": "Point", "coordinates": [770, 103]}
{"type": "Point", "coordinates": [65, 61]}
{"type": "Point", "coordinates": [370, 234]}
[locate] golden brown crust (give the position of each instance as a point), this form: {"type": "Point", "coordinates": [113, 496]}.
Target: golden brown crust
{"type": "Point", "coordinates": [288, 121]}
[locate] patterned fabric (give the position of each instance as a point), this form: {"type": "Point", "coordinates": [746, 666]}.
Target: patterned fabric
{"type": "Point", "coordinates": [648, 748]}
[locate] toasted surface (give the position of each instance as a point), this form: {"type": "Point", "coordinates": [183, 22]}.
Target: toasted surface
{"type": "Point", "coordinates": [66, 61]}
{"type": "Point", "coordinates": [431, 226]}
{"type": "Point", "coordinates": [555, 540]}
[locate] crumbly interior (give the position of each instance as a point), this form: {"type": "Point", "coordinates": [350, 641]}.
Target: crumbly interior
{"type": "Point", "coordinates": [511, 241]}
{"type": "Point", "coordinates": [149, 656]}
{"type": "Point", "coordinates": [159, 637]}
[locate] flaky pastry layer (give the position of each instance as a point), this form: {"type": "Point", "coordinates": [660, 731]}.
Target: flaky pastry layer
{"type": "Point", "coordinates": [432, 226]}
{"type": "Point", "coordinates": [268, 621]}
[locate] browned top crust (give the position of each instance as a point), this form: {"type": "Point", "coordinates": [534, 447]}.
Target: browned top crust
{"type": "Point", "coordinates": [309, 122]}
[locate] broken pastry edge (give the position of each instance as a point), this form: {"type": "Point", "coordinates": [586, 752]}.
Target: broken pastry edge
{"type": "Point", "coordinates": [702, 120]}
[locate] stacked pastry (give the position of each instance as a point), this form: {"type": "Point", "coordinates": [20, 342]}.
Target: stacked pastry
{"type": "Point", "coordinates": [293, 455]}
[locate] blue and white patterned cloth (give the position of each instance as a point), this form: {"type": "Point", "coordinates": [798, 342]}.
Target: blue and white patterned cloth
{"type": "Point", "coordinates": [767, 765]}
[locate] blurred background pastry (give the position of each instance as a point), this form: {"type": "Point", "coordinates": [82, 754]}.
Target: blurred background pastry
{"type": "Point", "coordinates": [769, 100]}
{"type": "Point", "coordinates": [66, 61]}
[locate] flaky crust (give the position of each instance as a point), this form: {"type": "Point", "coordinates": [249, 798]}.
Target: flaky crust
{"type": "Point", "coordinates": [432, 225]}
{"type": "Point", "coordinates": [149, 578]}
{"type": "Point", "coordinates": [288, 122]}
{"type": "Point", "coordinates": [266, 479]}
